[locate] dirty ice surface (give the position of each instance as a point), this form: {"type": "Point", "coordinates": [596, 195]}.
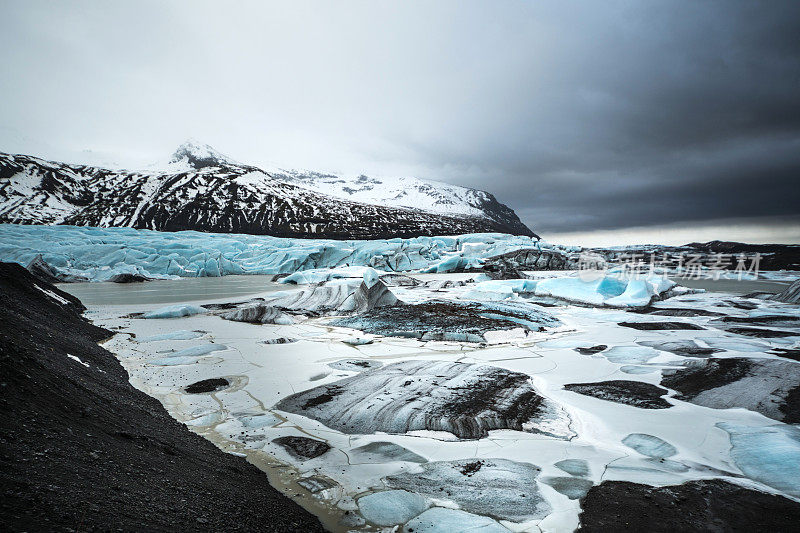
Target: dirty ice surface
{"type": "Point", "coordinates": [503, 430]}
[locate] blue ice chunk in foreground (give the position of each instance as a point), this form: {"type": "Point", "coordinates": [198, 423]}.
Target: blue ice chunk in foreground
{"type": "Point", "coordinates": [391, 507]}
{"type": "Point", "coordinates": [649, 445]}
{"type": "Point", "coordinates": [768, 454]}
{"type": "Point", "coordinates": [175, 311]}
{"type": "Point", "coordinates": [198, 351]}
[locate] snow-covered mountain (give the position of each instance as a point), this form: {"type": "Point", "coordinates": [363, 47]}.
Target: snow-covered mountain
{"type": "Point", "coordinates": [201, 189]}
{"type": "Point", "coordinates": [412, 193]}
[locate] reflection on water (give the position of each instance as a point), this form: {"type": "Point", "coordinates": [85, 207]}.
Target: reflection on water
{"type": "Point", "coordinates": [170, 291]}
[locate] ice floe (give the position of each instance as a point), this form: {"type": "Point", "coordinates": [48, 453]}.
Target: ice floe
{"type": "Point", "coordinates": [649, 445]}
{"type": "Point", "coordinates": [767, 386]}
{"type": "Point", "coordinates": [767, 454]}
{"type": "Point", "coordinates": [443, 520]}
{"type": "Point", "coordinates": [467, 400]}
{"type": "Point", "coordinates": [499, 488]}
{"type": "Point", "coordinates": [175, 311]}
{"type": "Point", "coordinates": [391, 507]}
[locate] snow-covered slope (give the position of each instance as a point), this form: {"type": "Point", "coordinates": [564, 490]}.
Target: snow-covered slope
{"type": "Point", "coordinates": [203, 190]}
{"type": "Point", "coordinates": [407, 192]}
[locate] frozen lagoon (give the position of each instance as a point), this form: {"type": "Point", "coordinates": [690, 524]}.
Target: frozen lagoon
{"type": "Point", "coordinates": [336, 484]}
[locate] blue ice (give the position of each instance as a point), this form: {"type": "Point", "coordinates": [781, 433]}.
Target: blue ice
{"type": "Point", "coordinates": [175, 311]}
{"type": "Point", "coordinates": [768, 454]}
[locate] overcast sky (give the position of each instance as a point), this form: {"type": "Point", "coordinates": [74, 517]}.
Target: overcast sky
{"type": "Point", "coordinates": [580, 115]}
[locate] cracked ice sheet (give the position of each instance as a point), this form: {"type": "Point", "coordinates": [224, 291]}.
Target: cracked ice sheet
{"type": "Point", "coordinates": [275, 371]}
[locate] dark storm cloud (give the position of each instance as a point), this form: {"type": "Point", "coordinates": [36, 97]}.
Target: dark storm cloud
{"type": "Point", "coordinates": [580, 116]}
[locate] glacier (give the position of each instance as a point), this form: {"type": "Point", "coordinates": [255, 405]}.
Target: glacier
{"type": "Point", "coordinates": [98, 254]}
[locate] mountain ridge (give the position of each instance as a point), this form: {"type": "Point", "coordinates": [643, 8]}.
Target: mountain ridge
{"type": "Point", "coordinates": [206, 191]}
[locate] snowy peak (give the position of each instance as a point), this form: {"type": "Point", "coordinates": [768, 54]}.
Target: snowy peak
{"type": "Point", "coordinates": [202, 189]}
{"type": "Point", "coordinates": [409, 193]}
{"type": "Point", "coordinates": [197, 155]}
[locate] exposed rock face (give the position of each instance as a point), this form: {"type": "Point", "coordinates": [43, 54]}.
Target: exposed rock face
{"type": "Point", "coordinates": [258, 313]}
{"type": "Point", "coordinates": [706, 505]}
{"type": "Point", "coordinates": [445, 320]}
{"type": "Point", "coordinates": [635, 393]}
{"type": "Point", "coordinates": [767, 386]}
{"type": "Point", "coordinates": [467, 400]}
{"type": "Point", "coordinates": [86, 450]}
{"type": "Point", "coordinates": [499, 488]}
{"type": "Point", "coordinates": [302, 447]}
{"type": "Point", "coordinates": [214, 194]}
{"type": "Point", "coordinates": [791, 295]}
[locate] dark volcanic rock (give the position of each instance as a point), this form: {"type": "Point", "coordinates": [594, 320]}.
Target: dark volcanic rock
{"type": "Point", "coordinates": [81, 449]}
{"type": "Point", "coordinates": [788, 353]}
{"type": "Point", "coordinates": [695, 506]}
{"type": "Point", "coordinates": [635, 393]}
{"type": "Point", "coordinates": [458, 321]}
{"type": "Point", "coordinates": [467, 400]}
{"type": "Point", "coordinates": [207, 385]}
{"type": "Point", "coordinates": [651, 326]}
{"type": "Point", "coordinates": [591, 350]}
{"type": "Point", "coordinates": [776, 321]}
{"type": "Point", "coordinates": [767, 386]}
{"type": "Point", "coordinates": [302, 447]}
{"type": "Point", "coordinates": [762, 333]}
{"type": "Point", "coordinates": [671, 311]}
